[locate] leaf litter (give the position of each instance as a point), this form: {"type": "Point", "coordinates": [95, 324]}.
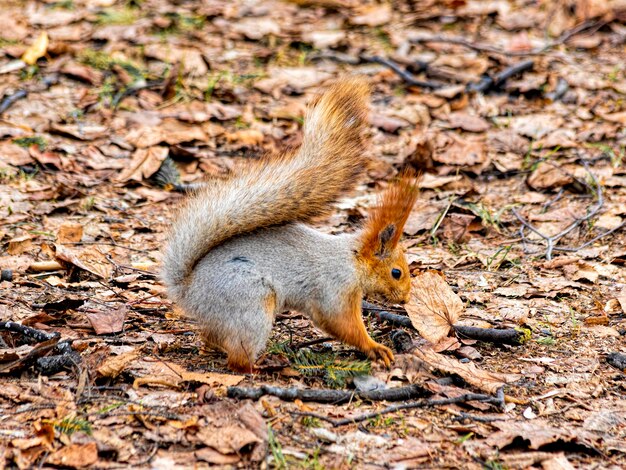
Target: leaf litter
{"type": "Point", "coordinates": [98, 98]}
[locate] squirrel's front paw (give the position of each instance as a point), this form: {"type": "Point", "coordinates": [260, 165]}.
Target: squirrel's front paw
{"type": "Point", "coordinates": [378, 351]}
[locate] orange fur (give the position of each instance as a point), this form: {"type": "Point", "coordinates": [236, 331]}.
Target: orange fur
{"type": "Point", "coordinates": [392, 210]}
{"type": "Point", "coordinates": [348, 326]}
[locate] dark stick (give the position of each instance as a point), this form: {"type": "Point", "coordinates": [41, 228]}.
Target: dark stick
{"type": "Point", "coordinates": [51, 365]}
{"type": "Point", "coordinates": [497, 401]}
{"type": "Point", "coordinates": [327, 395]}
{"type": "Point", "coordinates": [481, 419]}
{"type": "Point", "coordinates": [22, 93]}
{"type": "Point", "coordinates": [394, 319]}
{"type": "Point", "coordinates": [27, 331]}
{"type": "Point", "coordinates": [492, 335]}
{"type": "Point", "coordinates": [617, 360]}
{"type": "Point", "coordinates": [487, 83]}
{"type": "Point", "coordinates": [402, 73]}
{"type": "Point", "coordinates": [561, 88]}
{"type": "Point", "coordinates": [12, 99]}
{"type": "Point", "coordinates": [312, 342]}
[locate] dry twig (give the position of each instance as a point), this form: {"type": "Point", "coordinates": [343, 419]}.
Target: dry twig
{"type": "Point", "coordinates": [328, 395]}
{"type": "Point", "coordinates": [590, 26]}
{"type": "Point", "coordinates": [552, 241]}
{"type": "Point", "coordinates": [497, 401]}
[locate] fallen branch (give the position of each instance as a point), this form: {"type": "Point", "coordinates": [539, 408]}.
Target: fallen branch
{"type": "Point", "coordinates": [64, 358]}
{"type": "Point", "coordinates": [617, 360]}
{"type": "Point", "coordinates": [404, 74]}
{"type": "Point", "coordinates": [551, 241]}
{"type": "Point", "coordinates": [511, 336]}
{"type": "Point", "coordinates": [497, 401]}
{"type": "Point", "coordinates": [327, 395]}
{"type": "Point", "coordinates": [51, 365]}
{"type": "Point", "coordinates": [593, 240]}
{"type": "Point", "coordinates": [13, 98]}
{"type": "Point", "coordinates": [27, 331]}
{"type": "Point", "coordinates": [487, 83]}
{"type": "Point", "coordinates": [383, 315]}
{"type": "Point", "coordinates": [590, 25]}
{"type": "Point", "coordinates": [492, 335]}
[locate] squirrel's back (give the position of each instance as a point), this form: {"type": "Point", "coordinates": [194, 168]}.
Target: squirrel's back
{"type": "Point", "coordinates": [292, 187]}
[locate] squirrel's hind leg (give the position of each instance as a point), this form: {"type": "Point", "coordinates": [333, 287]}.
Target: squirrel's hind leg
{"type": "Point", "coordinates": [244, 345]}
{"type": "Point", "coordinates": [235, 307]}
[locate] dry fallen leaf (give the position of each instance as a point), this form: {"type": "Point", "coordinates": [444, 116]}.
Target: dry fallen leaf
{"type": "Point", "coordinates": [37, 49]}
{"type": "Point", "coordinates": [482, 379]}
{"type": "Point", "coordinates": [467, 122]}
{"type": "Point", "coordinates": [145, 163]}
{"type": "Point", "coordinates": [70, 232]}
{"type": "Point", "coordinates": [173, 375]}
{"type": "Point", "coordinates": [107, 321]}
{"type": "Point", "coordinates": [537, 432]}
{"type": "Point", "coordinates": [372, 15]}
{"type": "Point", "coordinates": [114, 365]}
{"type": "Point", "coordinates": [19, 245]}
{"type": "Point", "coordinates": [434, 308]}
{"type": "Point", "coordinates": [75, 456]}
{"type": "Point", "coordinates": [548, 175]}
{"type": "Point", "coordinates": [90, 259]}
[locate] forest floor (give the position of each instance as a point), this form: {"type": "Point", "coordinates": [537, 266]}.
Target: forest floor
{"type": "Point", "coordinates": [515, 112]}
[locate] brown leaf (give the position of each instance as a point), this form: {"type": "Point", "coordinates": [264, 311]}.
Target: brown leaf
{"type": "Point", "coordinates": [484, 380]}
{"type": "Point", "coordinates": [81, 131]}
{"type": "Point", "coordinates": [434, 308]}
{"type": "Point", "coordinates": [90, 259]}
{"type": "Point", "coordinates": [387, 123]}
{"type": "Point", "coordinates": [70, 232]}
{"type": "Point", "coordinates": [581, 271]}
{"type": "Point", "coordinates": [75, 455]}
{"type": "Point", "coordinates": [14, 154]}
{"type": "Point", "coordinates": [324, 39]}
{"type": "Point", "coordinates": [145, 163]}
{"type": "Point", "coordinates": [107, 321]}
{"type": "Point", "coordinates": [246, 137]}
{"type": "Point", "coordinates": [468, 151]}
{"type": "Point", "coordinates": [298, 78]}
{"type": "Point", "coordinates": [114, 365]}
{"type": "Point", "coordinates": [19, 245]}
{"type": "Point", "coordinates": [170, 374]}
{"type": "Point", "coordinates": [547, 176]}
{"type": "Point", "coordinates": [537, 432]}
{"type": "Point", "coordinates": [535, 125]}
{"type": "Point", "coordinates": [372, 15]}
{"type": "Point", "coordinates": [82, 72]}
{"type": "Point", "coordinates": [234, 429]}
{"type": "Point", "coordinates": [257, 28]}
{"type": "Point", "coordinates": [467, 122]}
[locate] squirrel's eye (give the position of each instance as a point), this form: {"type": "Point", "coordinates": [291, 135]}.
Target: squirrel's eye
{"type": "Point", "coordinates": [396, 273]}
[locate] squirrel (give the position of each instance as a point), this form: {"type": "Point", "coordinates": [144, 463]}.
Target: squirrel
{"type": "Point", "coordinates": [240, 250]}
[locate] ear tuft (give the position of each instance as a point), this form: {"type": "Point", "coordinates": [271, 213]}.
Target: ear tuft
{"type": "Point", "coordinates": [384, 226]}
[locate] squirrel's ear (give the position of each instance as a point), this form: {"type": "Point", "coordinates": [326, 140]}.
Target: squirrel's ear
{"type": "Point", "coordinates": [386, 241]}
{"type": "Point", "coordinates": [384, 226]}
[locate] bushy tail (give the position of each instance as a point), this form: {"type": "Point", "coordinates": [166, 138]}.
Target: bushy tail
{"type": "Point", "coordinates": [297, 186]}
